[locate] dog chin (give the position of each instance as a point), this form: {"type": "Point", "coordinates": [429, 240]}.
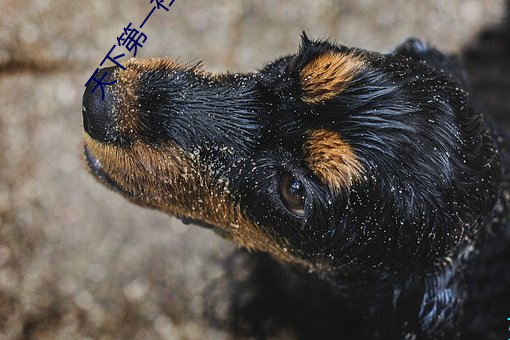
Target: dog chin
{"type": "Point", "coordinates": [96, 169]}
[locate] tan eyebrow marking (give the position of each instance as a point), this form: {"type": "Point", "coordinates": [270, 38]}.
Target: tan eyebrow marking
{"type": "Point", "coordinates": [331, 159]}
{"type": "Point", "coordinates": [328, 75]}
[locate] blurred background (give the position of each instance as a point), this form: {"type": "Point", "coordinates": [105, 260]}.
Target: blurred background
{"type": "Point", "coordinates": [79, 262]}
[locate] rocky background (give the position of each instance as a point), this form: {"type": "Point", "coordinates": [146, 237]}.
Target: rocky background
{"type": "Point", "coordinates": [80, 262]}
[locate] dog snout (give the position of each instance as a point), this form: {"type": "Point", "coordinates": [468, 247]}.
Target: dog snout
{"type": "Point", "coordinates": [97, 104]}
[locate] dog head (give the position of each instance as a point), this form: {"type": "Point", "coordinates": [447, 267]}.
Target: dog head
{"type": "Point", "coordinates": [330, 158]}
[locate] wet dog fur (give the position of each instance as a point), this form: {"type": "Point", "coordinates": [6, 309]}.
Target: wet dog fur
{"type": "Point", "coordinates": [370, 189]}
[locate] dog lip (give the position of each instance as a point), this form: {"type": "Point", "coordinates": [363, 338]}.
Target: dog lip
{"type": "Point", "coordinates": [92, 162]}
{"type": "Point", "coordinates": [187, 220]}
{"type": "Point", "coordinates": [97, 170]}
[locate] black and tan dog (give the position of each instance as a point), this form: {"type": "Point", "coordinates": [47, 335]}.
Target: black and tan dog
{"type": "Point", "coordinates": [372, 178]}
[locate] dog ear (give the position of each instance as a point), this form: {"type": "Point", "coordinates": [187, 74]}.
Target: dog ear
{"type": "Point", "coordinates": [305, 42]}
{"type": "Point", "coordinates": [417, 50]}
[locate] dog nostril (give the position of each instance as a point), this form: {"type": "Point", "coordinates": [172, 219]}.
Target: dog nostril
{"type": "Point", "coordinates": [98, 118]}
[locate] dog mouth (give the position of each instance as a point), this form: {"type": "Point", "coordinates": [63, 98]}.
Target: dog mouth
{"type": "Point", "coordinates": [96, 169]}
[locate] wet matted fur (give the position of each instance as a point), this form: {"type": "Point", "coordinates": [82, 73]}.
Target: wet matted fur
{"type": "Point", "coordinates": [377, 183]}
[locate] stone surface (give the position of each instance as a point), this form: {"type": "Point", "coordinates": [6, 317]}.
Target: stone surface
{"type": "Point", "coordinates": [79, 262]}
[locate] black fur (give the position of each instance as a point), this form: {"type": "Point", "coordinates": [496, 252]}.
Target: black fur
{"type": "Point", "coordinates": [447, 277]}
{"type": "Point", "coordinates": [419, 248]}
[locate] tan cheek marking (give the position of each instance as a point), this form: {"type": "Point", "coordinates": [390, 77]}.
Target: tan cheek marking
{"type": "Point", "coordinates": [174, 181]}
{"type": "Point", "coordinates": [328, 75]}
{"type": "Point", "coordinates": [331, 159]}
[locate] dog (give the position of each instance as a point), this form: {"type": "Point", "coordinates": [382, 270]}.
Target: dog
{"type": "Point", "coordinates": [369, 188]}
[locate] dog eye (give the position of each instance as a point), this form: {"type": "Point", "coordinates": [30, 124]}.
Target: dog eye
{"type": "Point", "coordinates": [292, 193]}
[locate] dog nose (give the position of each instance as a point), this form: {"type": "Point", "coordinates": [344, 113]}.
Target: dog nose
{"type": "Point", "coordinates": [98, 118]}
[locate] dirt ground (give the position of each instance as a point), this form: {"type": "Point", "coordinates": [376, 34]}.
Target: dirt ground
{"type": "Point", "coordinates": [80, 262]}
